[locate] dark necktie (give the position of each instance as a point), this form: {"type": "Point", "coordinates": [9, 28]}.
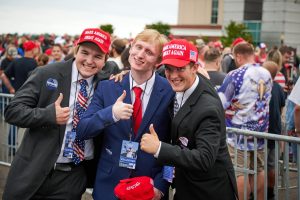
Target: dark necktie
{"type": "Point", "coordinates": [137, 109]}
{"type": "Point", "coordinates": [80, 108]}
{"type": "Point", "coordinates": [176, 106]}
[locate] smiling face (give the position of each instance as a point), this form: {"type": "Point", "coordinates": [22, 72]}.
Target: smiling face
{"type": "Point", "coordinates": [181, 78]}
{"type": "Point", "coordinates": [89, 59]}
{"type": "Point", "coordinates": [143, 56]}
{"type": "Point", "coordinates": [57, 53]}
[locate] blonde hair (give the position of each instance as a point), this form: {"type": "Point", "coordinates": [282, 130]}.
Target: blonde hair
{"type": "Point", "coordinates": [272, 67]}
{"type": "Point", "coordinates": [152, 36]}
{"type": "Point", "coordinates": [275, 56]}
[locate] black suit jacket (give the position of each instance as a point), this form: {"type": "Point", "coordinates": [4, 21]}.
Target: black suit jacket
{"type": "Point", "coordinates": [33, 108]}
{"type": "Point", "coordinates": [203, 168]}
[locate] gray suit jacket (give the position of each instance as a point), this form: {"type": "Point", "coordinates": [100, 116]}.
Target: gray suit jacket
{"type": "Point", "coordinates": [33, 108]}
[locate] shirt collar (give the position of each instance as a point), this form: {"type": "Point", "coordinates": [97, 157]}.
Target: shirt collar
{"type": "Point", "coordinates": [150, 83]}
{"type": "Point", "coordinates": [186, 94]}
{"type": "Point", "coordinates": [76, 76]}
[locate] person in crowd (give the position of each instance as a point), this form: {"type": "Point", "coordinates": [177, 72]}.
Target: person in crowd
{"type": "Point", "coordinates": [203, 169]}
{"type": "Point", "coordinates": [261, 55]}
{"type": "Point", "coordinates": [295, 98]}
{"type": "Point", "coordinates": [10, 54]}
{"type": "Point", "coordinates": [42, 59]}
{"type": "Point", "coordinates": [227, 62]}
{"type": "Point", "coordinates": [201, 51]}
{"type": "Point", "coordinates": [212, 59]}
{"type": "Point", "coordinates": [20, 68]}
{"type": "Point", "coordinates": [276, 106]}
{"type": "Point", "coordinates": [57, 53]}
{"type": "Point", "coordinates": [286, 66]}
{"type": "Point", "coordinates": [245, 95]}
{"type": "Point", "coordinates": [124, 58]}
{"type": "Point", "coordinates": [112, 115]}
{"type": "Point", "coordinates": [117, 47]}
{"type": "Point", "coordinates": [49, 105]}
{"type": "Point", "coordinates": [275, 56]}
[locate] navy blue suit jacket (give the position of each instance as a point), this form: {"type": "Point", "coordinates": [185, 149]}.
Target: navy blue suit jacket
{"type": "Point", "coordinates": [98, 119]}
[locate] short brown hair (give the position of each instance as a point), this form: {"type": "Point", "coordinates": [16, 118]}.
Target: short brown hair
{"type": "Point", "coordinates": [211, 55]}
{"type": "Point", "coordinates": [244, 48]}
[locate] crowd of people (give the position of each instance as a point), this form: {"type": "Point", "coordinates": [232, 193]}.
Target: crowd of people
{"type": "Point", "coordinates": [170, 101]}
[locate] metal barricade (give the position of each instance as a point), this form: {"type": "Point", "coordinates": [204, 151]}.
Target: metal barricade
{"type": "Point", "coordinates": [9, 133]}
{"type": "Point", "coordinates": [283, 167]}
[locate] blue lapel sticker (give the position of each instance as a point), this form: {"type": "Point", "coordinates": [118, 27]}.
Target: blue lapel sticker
{"type": "Point", "coordinates": [51, 84]}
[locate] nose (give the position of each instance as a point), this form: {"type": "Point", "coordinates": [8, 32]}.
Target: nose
{"type": "Point", "coordinates": [89, 59]}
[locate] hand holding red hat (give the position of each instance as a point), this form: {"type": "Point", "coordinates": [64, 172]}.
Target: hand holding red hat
{"type": "Point", "coordinates": [150, 141]}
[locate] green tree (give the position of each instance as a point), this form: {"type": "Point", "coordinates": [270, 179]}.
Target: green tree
{"type": "Point", "coordinates": [160, 27]}
{"type": "Point", "coordinates": [233, 31]}
{"type": "Point", "coordinates": [108, 28]}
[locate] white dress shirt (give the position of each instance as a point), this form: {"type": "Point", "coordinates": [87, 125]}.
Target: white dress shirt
{"type": "Point", "coordinates": [89, 145]}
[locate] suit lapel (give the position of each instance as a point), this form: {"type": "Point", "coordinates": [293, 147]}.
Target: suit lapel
{"type": "Point", "coordinates": [64, 86]}
{"type": "Point", "coordinates": [186, 109]}
{"type": "Point", "coordinates": [125, 85]}
{"type": "Point", "coordinates": [153, 104]}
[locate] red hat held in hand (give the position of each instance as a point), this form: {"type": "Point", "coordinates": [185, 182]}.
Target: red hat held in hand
{"type": "Point", "coordinates": [137, 188]}
{"type": "Point", "coordinates": [97, 36]}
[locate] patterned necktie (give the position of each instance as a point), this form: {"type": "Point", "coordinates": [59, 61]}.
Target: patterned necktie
{"type": "Point", "coordinates": [137, 109]}
{"type": "Point", "coordinates": [176, 106]}
{"type": "Point", "coordinates": [80, 108]}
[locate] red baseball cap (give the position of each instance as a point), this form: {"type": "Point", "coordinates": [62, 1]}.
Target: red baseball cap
{"type": "Point", "coordinates": [237, 41]}
{"type": "Point", "coordinates": [97, 36]}
{"type": "Point", "coordinates": [137, 188]}
{"type": "Point", "coordinates": [29, 45]}
{"type": "Point", "coordinates": [179, 53]}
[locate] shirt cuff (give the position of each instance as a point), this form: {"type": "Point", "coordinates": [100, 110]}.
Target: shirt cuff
{"type": "Point", "coordinates": [114, 117]}
{"type": "Point", "coordinates": [158, 150]}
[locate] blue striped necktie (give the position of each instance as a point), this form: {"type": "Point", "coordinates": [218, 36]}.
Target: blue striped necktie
{"type": "Point", "coordinates": [80, 108]}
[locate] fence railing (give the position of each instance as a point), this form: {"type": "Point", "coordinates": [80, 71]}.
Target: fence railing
{"type": "Point", "coordinates": [282, 165]}
{"type": "Point", "coordinates": [10, 139]}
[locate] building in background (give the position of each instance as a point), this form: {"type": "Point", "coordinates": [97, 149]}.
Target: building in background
{"type": "Point", "coordinates": [273, 22]}
{"type": "Point", "coordinates": [199, 18]}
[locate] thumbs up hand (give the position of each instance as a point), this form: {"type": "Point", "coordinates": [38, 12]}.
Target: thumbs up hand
{"type": "Point", "coordinates": [62, 114]}
{"type": "Point", "coordinates": [122, 110]}
{"type": "Point", "coordinates": [150, 141]}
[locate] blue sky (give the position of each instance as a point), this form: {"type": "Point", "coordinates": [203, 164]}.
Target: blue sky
{"type": "Point", "coordinates": [72, 16]}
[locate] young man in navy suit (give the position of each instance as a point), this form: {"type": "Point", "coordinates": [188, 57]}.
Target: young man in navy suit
{"type": "Point", "coordinates": [121, 118]}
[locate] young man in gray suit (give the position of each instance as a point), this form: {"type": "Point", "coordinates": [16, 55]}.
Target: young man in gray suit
{"type": "Point", "coordinates": [51, 161]}
{"type": "Point", "coordinates": [203, 169]}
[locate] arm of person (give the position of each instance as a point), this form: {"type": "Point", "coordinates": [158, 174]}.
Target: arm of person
{"type": "Point", "coordinates": [202, 157]}
{"type": "Point", "coordinates": [98, 116]}
{"type": "Point", "coordinates": [297, 120]}
{"type": "Point", "coordinates": [24, 111]}
{"type": "Point", "coordinates": [7, 83]}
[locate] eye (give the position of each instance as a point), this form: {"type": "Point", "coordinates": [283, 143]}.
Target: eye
{"type": "Point", "coordinates": [99, 56]}
{"type": "Point", "coordinates": [149, 53]}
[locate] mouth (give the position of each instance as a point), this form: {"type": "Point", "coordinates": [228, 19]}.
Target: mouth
{"type": "Point", "coordinates": [138, 61]}
{"type": "Point", "coordinates": [176, 82]}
